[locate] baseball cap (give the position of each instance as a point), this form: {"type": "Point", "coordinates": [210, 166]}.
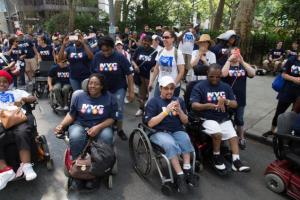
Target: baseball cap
{"type": "Point", "coordinates": [119, 42]}
{"type": "Point", "coordinates": [166, 80]}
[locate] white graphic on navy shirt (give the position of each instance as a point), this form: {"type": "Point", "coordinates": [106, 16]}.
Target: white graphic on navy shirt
{"type": "Point", "coordinates": [108, 67]}
{"type": "Point", "coordinates": [212, 97]}
{"type": "Point", "coordinates": [92, 109]}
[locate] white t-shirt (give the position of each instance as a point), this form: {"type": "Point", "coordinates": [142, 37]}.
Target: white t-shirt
{"type": "Point", "coordinates": [8, 98]}
{"type": "Point", "coordinates": [158, 48]}
{"type": "Point", "coordinates": [210, 58]}
{"type": "Point", "coordinates": [187, 43]}
{"type": "Point", "coordinates": [167, 63]}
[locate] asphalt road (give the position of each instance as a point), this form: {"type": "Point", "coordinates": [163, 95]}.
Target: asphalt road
{"type": "Point", "coordinates": [128, 185]}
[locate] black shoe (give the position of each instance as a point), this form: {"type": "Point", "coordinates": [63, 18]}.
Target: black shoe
{"type": "Point", "coordinates": [191, 178]}
{"type": "Point", "coordinates": [242, 144]}
{"type": "Point", "coordinates": [92, 184]}
{"type": "Point", "coordinates": [181, 184]}
{"type": "Point", "coordinates": [267, 134]}
{"type": "Point", "coordinates": [218, 161]}
{"type": "Point", "coordinates": [238, 166]}
{"type": "Point", "coordinates": [77, 185]}
{"type": "Point", "coordinates": [122, 135]}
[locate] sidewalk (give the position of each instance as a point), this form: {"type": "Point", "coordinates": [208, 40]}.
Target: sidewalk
{"type": "Point", "coordinates": [260, 109]}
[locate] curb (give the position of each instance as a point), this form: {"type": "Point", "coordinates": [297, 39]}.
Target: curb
{"type": "Point", "coordinates": [259, 139]}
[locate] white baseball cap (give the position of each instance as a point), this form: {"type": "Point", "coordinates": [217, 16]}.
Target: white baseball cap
{"type": "Point", "coordinates": [166, 80]}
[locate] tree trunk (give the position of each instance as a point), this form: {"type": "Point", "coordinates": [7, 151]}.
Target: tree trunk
{"type": "Point", "coordinates": [118, 11]}
{"type": "Point", "coordinates": [212, 13]}
{"type": "Point", "coordinates": [72, 10]}
{"type": "Point", "coordinates": [219, 15]}
{"type": "Point", "coordinates": [243, 23]}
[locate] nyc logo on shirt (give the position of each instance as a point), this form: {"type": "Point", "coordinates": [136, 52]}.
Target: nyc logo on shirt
{"type": "Point", "coordinates": [108, 67]}
{"type": "Point", "coordinates": [45, 53]}
{"type": "Point", "coordinates": [145, 58]}
{"type": "Point", "coordinates": [16, 52]}
{"type": "Point", "coordinates": [212, 97]}
{"type": "Point", "coordinates": [6, 97]}
{"type": "Point", "coordinates": [277, 53]}
{"type": "Point", "coordinates": [295, 70]}
{"type": "Point", "coordinates": [237, 72]}
{"type": "Point", "coordinates": [188, 38]}
{"type": "Point", "coordinates": [62, 74]}
{"type": "Point", "coordinates": [76, 55]}
{"type": "Point", "coordinates": [92, 109]}
{"type": "Point", "coordinates": [224, 51]}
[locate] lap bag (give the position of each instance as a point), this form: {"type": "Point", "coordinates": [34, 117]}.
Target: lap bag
{"type": "Point", "coordinates": [10, 118]}
{"type": "Point", "coordinates": [103, 158]}
{"type": "Point", "coordinates": [278, 83]}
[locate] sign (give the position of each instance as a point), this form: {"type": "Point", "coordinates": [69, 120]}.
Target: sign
{"type": "Point", "coordinates": [2, 6]}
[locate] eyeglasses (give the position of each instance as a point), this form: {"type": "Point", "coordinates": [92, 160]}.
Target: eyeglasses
{"type": "Point", "coordinates": [166, 37]}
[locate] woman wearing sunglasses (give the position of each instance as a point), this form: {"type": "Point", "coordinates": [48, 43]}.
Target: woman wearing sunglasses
{"type": "Point", "coordinates": [169, 62]}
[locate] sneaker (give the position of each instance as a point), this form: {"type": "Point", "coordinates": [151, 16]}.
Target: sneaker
{"type": "Point", "coordinates": [126, 100]}
{"type": "Point", "coordinates": [190, 177]}
{"type": "Point", "coordinates": [268, 133]}
{"type": "Point", "coordinates": [238, 166]}
{"type": "Point", "coordinates": [242, 144]}
{"type": "Point", "coordinates": [7, 174]}
{"type": "Point", "coordinates": [28, 171]}
{"type": "Point", "coordinates": [218, 161]}
{"type": "Point", "coordinates": [59, 108]}
{"type": "Point", "coordinates": [139, 113]}
{"type": "Point", "coordinates": [181, 184]}
{"type": "Point", "coordinates": [122, 135]}
{"type": "Point", "coordinates": [66, 108]}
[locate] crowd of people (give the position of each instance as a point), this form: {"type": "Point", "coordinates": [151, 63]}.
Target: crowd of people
{"type": "Point", "coordinates": [154, 66]}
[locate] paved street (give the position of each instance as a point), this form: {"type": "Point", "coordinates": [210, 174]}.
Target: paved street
{"type": "Point", "coordinates": [128, 185]}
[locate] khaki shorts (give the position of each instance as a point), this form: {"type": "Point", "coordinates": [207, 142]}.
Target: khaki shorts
{"type": "Point", "coordinates": [31, 65]}
{"type": "Point", "coordinates": [187, 61]}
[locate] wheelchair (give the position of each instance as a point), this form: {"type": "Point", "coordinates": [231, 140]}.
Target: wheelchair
{"type": "Point", "coordinates": [68, 162]}
{"type": "Point", "coordinates": [145, 153]}
{"type": "Point", "coordinates": [54, 104]}
{"type": "Point", "coordinates": [40, 79]}
{"type": "Point", "coordinates": [40, 153]}
{"type": "Point", "coordinates": [282, 175]}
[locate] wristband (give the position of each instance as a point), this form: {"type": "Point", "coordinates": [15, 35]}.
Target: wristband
{"type": "Point", "coordinates": [165, 113]}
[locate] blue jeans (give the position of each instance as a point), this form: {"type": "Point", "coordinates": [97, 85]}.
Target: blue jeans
{"type": "Point", "coordinates": [120, 95]}
{"type": "Point", "coordinates": [239, 116]}
{"type": "Point", "coordinates": [157, 91]}
{"type": "Point", "coordinates": [76, 83]}
{"type": "Point", "coordinates": [78, 138]}
{"type": "Point", "coordinates": [174, 144]}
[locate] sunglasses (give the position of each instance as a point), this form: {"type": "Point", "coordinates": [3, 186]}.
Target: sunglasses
{"type": "Point", "coordinates": [166, 37]}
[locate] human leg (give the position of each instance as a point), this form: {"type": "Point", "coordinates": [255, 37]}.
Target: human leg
{"type": "Point", "coordinates": [120, 95]}
{"type": "Point", "coordinates": [65, 92]}
{"type": "Point", "coordinates": [78, 139]}
{"type": "Point", "coordinates": [57, 93]}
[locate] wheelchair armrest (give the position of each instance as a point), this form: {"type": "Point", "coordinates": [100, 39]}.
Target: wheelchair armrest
{"type": "Point", "coordinates": [287, 136]}
{"type": "Point", "coordinates": [147, 129]}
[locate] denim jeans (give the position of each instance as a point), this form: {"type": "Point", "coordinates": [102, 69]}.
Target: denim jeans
{"type": "Point", "coordinates": [239, 116]}
{"type": "Point", "coordinates": [157, 91]}
{"type": "Point", "coordinates": [78, 138]}
{"type": "Point", "coordinates": [120, 95]}
{"type": "Point", "coordinates": [76, 83]}
{"type": "Point", "coordinates": [62, 93]}
{"type": "Point", "coordinates": [174, 144]}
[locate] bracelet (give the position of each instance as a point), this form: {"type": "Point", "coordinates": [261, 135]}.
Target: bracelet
{"type": "Point", "coordinates": [165, 113]}
{"type": "Point", "coordinates": [227, 102]}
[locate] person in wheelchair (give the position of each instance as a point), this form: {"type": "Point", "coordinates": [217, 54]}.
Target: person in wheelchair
{"type": "Point", "coordinates": [210, 100]}
{"type": "Point", "coordinates": [20, 134]}
{"type": "Point", "coordinates": [92, 114]}
{"type": "Point", "coordinates": [166, 114]}
{"type": "Point", "coordinates": [59, 84]}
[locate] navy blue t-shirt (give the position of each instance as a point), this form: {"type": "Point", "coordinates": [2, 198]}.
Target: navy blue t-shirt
{"type": "Point", "coordinates": [292, 53]}
{"type": "Point", "coordinates": [292, 68]}
{"type": "Point", "coordinates": [203, 92]}
{"type": "Point", "coordinates": [115, 68]}
{"type": "Point", "coordinates": [89, 111]}
{"type": "Point", "coordinates": [79, 62]}
{"type": "Point", "coordinates": [145, 59]}
{"type": "Point", "coordinates": [222, 53]}
{"type": "Point", "coordinates": [276, 53]}
{"type": "Point", "coordinates": [46, 53]}
{"type": "Point", "coordinates": [172, 122]}
{"type": "Point", "coordinates": [59, 74]}
{"type": "Point", "coordinates": [237, 79]}
{"type": "Point", "coordinates": [27, 45]}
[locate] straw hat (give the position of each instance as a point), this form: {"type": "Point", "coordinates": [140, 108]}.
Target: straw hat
{"type": "Point", "coordinates": [205, 38]}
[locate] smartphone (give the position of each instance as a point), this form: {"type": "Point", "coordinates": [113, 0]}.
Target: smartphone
{"type": "Point", "coordinates": [73, 37]}
{"type": "Point", "coordinates": [237, 52]}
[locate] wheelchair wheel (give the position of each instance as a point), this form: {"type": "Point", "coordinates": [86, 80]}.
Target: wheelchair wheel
{"type": "Point", "coordinates": [167, 189]}
{"type": "Point", "coordinates": [141, 152]}
{"type": "Point", "coordinates": [275, 183]}
{"type": "Point", "coordinates": [46, 152]}
{"type": "Point", "coordinates": [39, 89]}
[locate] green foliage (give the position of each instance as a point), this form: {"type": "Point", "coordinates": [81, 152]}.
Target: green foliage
{"type": "Point", "coordinates": [59, 22]}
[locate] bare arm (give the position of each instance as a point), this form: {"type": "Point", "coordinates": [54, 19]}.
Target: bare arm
{"type": "Point", "coordinates": [88, 51]}
{"type": "Point", "coordinates": [49, 81]}
{"type": "Point", "coordinates": [225, 68]}
{"type": "Point", "coordinates": [180, 74]}
{"type": "Point", "coordinates": [249, 69]}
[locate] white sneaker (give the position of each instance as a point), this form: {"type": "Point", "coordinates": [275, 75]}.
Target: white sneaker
{"type": "Point", "coordinates": [126, 100]}
{"type": "Point", "coordinates": [28, 171]}
{"type": "Point", "coordinates": [139, 113]}
{"type": "Point", "coordinates": [59, 108]}
{"type": "Point", "coordinates": [66, 108]}
{"type": "Point", "coordinates": [6, 175]}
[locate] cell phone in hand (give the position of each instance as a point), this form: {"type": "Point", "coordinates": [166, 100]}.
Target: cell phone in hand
{"type": "Point", "coordinates": [73, 37]}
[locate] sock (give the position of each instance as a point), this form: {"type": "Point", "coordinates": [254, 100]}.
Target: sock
{"type": "Point", "coordinates": [216, 153]}
{"type": "Point", "coordinates": [187, 166]}
{"type": "Point", "coordinates": [235, 157]}
{"type": "Point", "coordinates": [180, 173]}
